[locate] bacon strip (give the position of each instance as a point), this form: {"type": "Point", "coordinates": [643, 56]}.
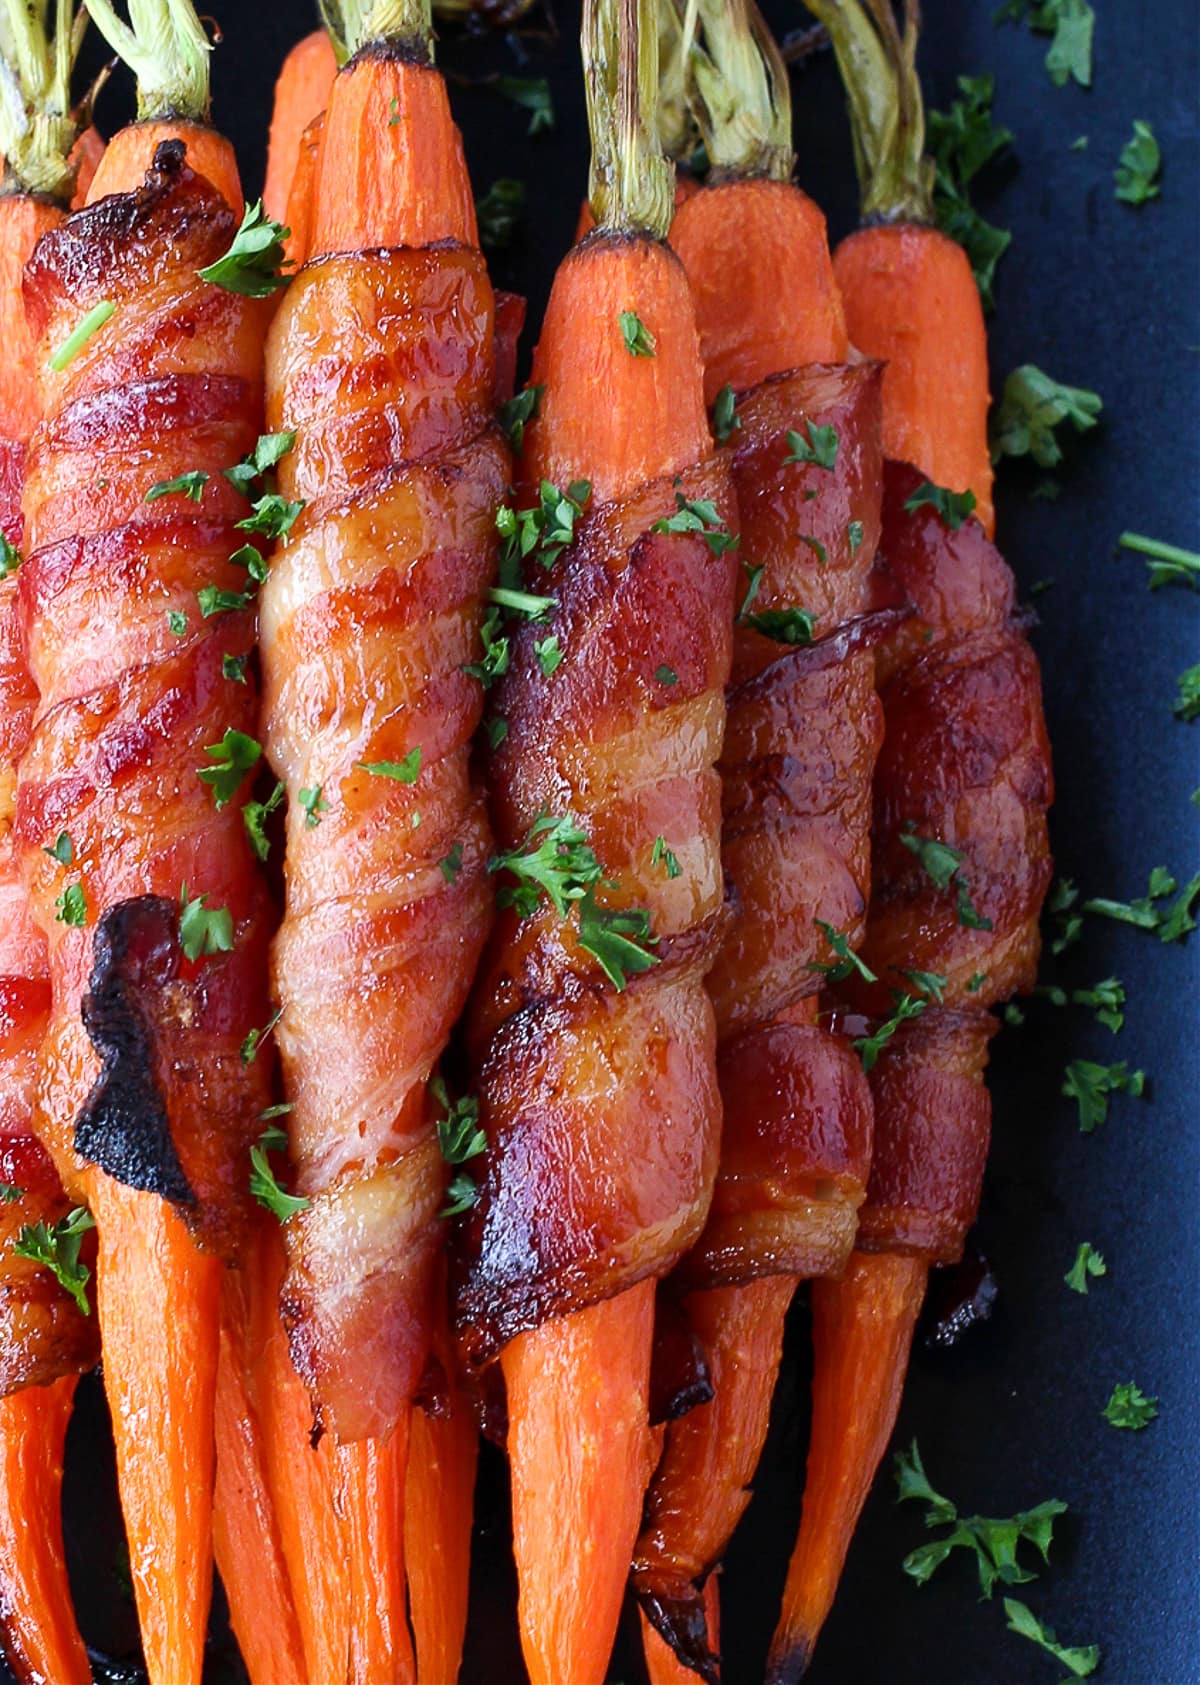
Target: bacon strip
{"type": "Point", "coordinates": [382, 364]}
{"type": "Point", "coordinates": [127, 706]}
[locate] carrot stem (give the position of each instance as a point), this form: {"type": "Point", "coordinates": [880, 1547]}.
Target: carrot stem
{"type": "Point", "coordinates": [862, 1331]}
{"type": "Point", "coordinates": [578, 1445]}
{"type": "Point", "coordinates": [151, 1281]}
{"type": "Point", "coordinates": [41, 1640]}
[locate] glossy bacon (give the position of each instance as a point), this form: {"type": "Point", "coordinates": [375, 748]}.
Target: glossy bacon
{"type": "Point", "coordinates": [381, 361]}
{"type": "Point", "coordinates": [601, 1108]}
{"type": "Point", "coordinates": [127, 707]}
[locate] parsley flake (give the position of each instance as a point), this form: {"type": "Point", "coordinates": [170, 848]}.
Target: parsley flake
{"type": "Point", "coordinates": [254, 818]}
{"type": "Point", "coordinates": [203, 930]}
{"type": "Point", "coordinates": [497, 730]}
{"type": "Point", "coordinates": [1129, 1407]}
{"type": "Point", "coordinates": [753, 581]}
{"type": "Point", "coordinates": [267, 453]}
{"type": "Point", "coordinates": [10, 557]}
{"type": "Point", "coordinates": [639, 341]}
{"type": "Point", "coordinates": [189, 485]}
{"type": "Point", "coordinates": [460, 1139]}
{"type": "Point", "coordinates": [213, 600]}
{"type": "Point", "coordinates": [71, 906]}
{"type": "Point", "coordinates": [234, 667]}
{"type": "Point", "coordinates": [57, 1250]}
{"type": "Point", "coordinates": [816, 444]}
{"type": "Point", "coordinates": [1033, 407]}
{"type": "Point", "coordinates": [953, 507]}
{"type": "Point", "coordinates": [785, 625]}
{"type": "Point", "coordinates": [406, 771]}
{"type": "Point", "coordinates": [1138, 166]}
{"type": "Point", "coordinates": [666, 675]}
{"type": "Point", "coordinates": [1187, 703]}
{"type": "Point", "coordinates": [1088, 1262]}
{"type": "Point", "coordinates": [1071, 23]}
{"type": "Point", "coordinates": [870, 1047]}
{"type": "Point", "coordinates": [542, 532]}
{"type": "Point", "coordinates": [496, 652]}
{"type": "Point", "coordinates": [234, 756]}
{"type": "Point", "coordinates": [662, 856]}
{"type": "Point", "coordinates": [264, 1185]}
{"type": "Point", "coordinates": [62, 849]}
{"type": "Point", "coordinates": [854, 532]}
{"type": "Point", "coordinates": [498, 213]}
{"type": "Point", "coordinates": [10, 1193]}
{"type": "Point", "coordinates": [942, 863]}
{"type": "Point", "coordinates": [516, 414]}
{"type": "Point", "coordinates": [1090, 1086]}
{"type": "Point", "coordinates": [314, 805]}
{"type": "Point", "coordinates": [1080, 1660]}
{"type": "Point", "coordinates": [273, 516]}
{"type": "Point", "coordinates": [548, 653]}
{"type": "Point", "coordinates": [450, 864]}
{"type": "Point", "coordinates": [699, 515]}
{"type": "Point", "coordinates": [255, 1038]}
{"type": "Point", "coordinates": [252, 266]}
{"type": "Point", "coordinates": [846, 961]}
{"type": "Point", "coordinates": [725, 419]}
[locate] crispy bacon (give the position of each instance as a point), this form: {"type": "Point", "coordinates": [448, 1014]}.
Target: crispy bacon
{"type": "Point", "coordinates": [601, 1107]}
{"type": "Point", "coordinates": [382, 363]}
{"type": "Point", "coordinates": [127, 706]}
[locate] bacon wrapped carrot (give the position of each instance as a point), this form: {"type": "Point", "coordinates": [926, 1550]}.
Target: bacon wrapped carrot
{"type": "Point", "coordinates": [803, 435]}
{"type": "Point", "coordinates": [592, 1031]}
{"type": "Point", "coordinates": [960, 852]}
{"type": "Point", "coordinates": [47, 1334]}
{"type": "Point", "coordinates": [129, 811]}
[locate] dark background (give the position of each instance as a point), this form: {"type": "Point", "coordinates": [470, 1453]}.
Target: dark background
{"type": "Point", "coordinates": [1100, 295]}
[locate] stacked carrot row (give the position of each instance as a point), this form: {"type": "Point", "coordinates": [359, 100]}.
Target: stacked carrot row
{"type": "Point", "coordinates": [591, 724]}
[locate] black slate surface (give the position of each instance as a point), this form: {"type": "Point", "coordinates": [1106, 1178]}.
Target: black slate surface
{"type": "Point", "coordinates": [1100, 295]}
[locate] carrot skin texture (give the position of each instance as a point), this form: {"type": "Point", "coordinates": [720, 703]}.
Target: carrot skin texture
{"type": "Point", "coordinates": [862, 1334]}
{"type": "Point", "coordinates": [662, 1664]}
{"type": "Point", "coordinates": [911, 300]}
{"type": "Point", "coordinates": [578, 1444]}
{"type": "Point", "coordinates": [301, 94]}
{"type": "Point", "coordinates": [372, 1502]}
{"type": "Point", "coordinates": [130, 153]}
{"type": "Point", "coordinates": [246, 1536]}
{"type": "Point", "coordinates": [41, 1640]}
{"type": "Point", "coordinates": [149, 1275]}
{"type": "Point", "coordinates": [302, 201]}
{"type": "Point", "coordinates": [736, 241]}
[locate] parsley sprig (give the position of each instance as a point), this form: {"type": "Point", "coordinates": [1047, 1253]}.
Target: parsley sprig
{"type": "Point", "coordinates": [699, 515]}
{"type": "Point", "coordinates": [57, 1250]}
{"type": "Point", "coordinates": [460, 1139]}
{"type": "Point", "coordinates": [1091, 1086]}
{"type": "Point", "coordinates": [847, 961]}
{"type": "Point", "coordinates": [1031, 412]}
{"type": "Point", "coordinates": [264, 1184]}
{"type": "Point", "coordinates": [942, 863]}
{"type": "Point", "coordinates": [254, 263]}
{"type": "Point", "coordinates": [1129, 1407]}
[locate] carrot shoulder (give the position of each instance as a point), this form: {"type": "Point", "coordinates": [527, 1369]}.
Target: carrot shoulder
{"type": "Point", "coordinates": [301, 94]}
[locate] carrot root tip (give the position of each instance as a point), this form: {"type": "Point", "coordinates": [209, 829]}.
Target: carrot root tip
{"type": "Point", "coordinates": [679, 1616]}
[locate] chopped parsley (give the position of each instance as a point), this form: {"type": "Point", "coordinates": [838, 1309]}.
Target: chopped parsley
{"type": "Point", "coordinates": [1071, 23]}
{"type": "Point", "coordinates": [942, 863]}
{"type": "Point", "coordinates": [1187, 703]}
{"type": "Point", "coordinates": [265, 456]}
{"type": "Point", "coordinates": [189, 485]}
{"type": "Point", "coordinates": [71, 906]}
{"type": "Point", "coordinates": [542, 532]}
{"type": "Point", "coordinates": [498, 213]}
{"type": "Point", "coordinates": [854, 532]}
{"type": "Point", "coordinates": [699, 515]}
{"type": "Point", "coordinates": [1170, 925]}
{"type": "Point", "coordinates": [255, 1038]}
{"type": "Point", "coordinates": [314, 805]}
{"type": "Point", "coordinates": [870, 1047]}
{"type": "Point", "coordinates": [976, 981]}
{"type": "Point", "coordinates": [497, 730]}
{"type": "Point", "coordinates": [10, 557]}
{"type": "Point", "coordinates": [450, 864]}
{"type": "Point", "coordinates": [233, 667]}
{"type": "Point", "coordinates": [617, 939]}
{"type": "Point", "coordinates": [57, 1250]}
{"type": "Point", "coordinates": [496, 652]}
{"type": "Point", "coordinates": [1106, 998]}
{"type": "Point", "coordinates": [993, 1542]}
{"type": "Point", "coordinates": [815, 545]}
{"type": "Point", "coordinates": [548, 653]}
{"type": "Point", "coordinates": [10, 1193]}
{"type": "Point", "coordinates": [725, 418]}
{"type": "Point", "coordinates": [273, 516]}
{"type": "Point", "coordinates": [1136, 174]}
{"type": "Point", "coordinates": [753, 581]}
{"type": "Point", "coordinates": [1032, 408]}
{"type": "Point", "coordinates": [460, 1139]}
{"type": "Point", "coordinates": [1167, 563]}
{"type": "Point", "coordinates": [953, 507]}
{"type": "Point", "coordinates": [254, 262]}
{"type": "Point", "coordinates": [81, 333]}
{"type": "Point", "coordinates": [406, 771]}
{"type": "Point", "coordinates": [1090, 1086]}
{"type": "Point", "coordinates": [816, 444]}
{"type": "Point", "coordinates": [532, 94]}
{"type": "Point", "coordinates": [639, 341]}
{"type": "Point", "coordinates": [961, 141]}
{"type": "Point", "coordinates": [666, 675]}
{"type": "Point", "coordinates": [62, 849]}
{"type": "Point", "coordinates": [784, 625]}
{"type": "Point", "coordinates": [662, 856]}
{"type": "Point", "coordinates": [1088, 1262]}
{"type": "Point", "coordinates": [522, 603]}
{"type": "Point", "coordinates": [235, 755]}
{"type": "Point", "coordinates": [930, 983]}
{"type": "Point", "coordinates": [1080, 1660]}
{"type": "Point", "coordinates": [264, 1185]}
{"type": "Point", "coordinates": [1129, 1407]}
{"type": "Point", "coordinates": [213, 600]}
{"type": "Point", "coordinates": [254, 818]}
{"type": "Point", "coordinates": [203, 930]}
{"type": "Point", "coordinates": [516, 414]}
{"type": "Point", "coordinates": [846, 962]}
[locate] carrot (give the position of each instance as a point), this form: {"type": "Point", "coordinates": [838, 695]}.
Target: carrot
{"type": "Point", "coordinates": [158, 1293]}
{"type": "Point", "coordinates": [911, 299]}
{"type": "Point", "coordinates": [162, 1395]}
{"type": "Point", "coordinates": [86, 155]}
{"type": "Point", "coordinates": [302, 200]}
{"type": "Point", "coordinates": [439, 1493]}
{"type": "Point", "coordinates": [301, 94]}
{"type": "Point", "coordinates": [303, 1480]}
{"type": "Point", "coordinates": [371, 1500]}
{"type": "Point", "coordinates": [662, 1664]}
{"type": "Point", "coordinates": [862, 1330]}
{"type": "Point", "coordinates": [600, 1101]}
{"type": "Point", "coordinates": [578, 1446]}
{"type": "Point", "coordinates": [247, 1540]}
{"type": "Point", "coordinates": [41, 1639]}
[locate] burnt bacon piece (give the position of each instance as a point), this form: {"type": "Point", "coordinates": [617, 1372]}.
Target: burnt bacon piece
{"type": "Point", "coordinates": [128, 706]}
{"type": "Point", "coordinates": [132, 1004]}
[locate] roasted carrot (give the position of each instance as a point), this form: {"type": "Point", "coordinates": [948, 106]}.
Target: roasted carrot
{"type": "Point", "coordinates": [862, 1330]}
{"type": "Point", "coordinates": [247, 1539]}
{"type": "Point", "coordinates": [662, 1664]}
{"type": "Point", "coordinates": [176, 399]}
{"type": "Point", "coordinates": [439, 1494]}
{"type": "Point", "coordinates": [597, 1078]}
{"type": "Point", "coordinates": [371, 1501]}
{"type": "Point", "coordinates": [301, 94]}
{"type": "Point", "coordinates": [47, 1335]}
{"type": "Point", "coordinates": [965, 764]}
